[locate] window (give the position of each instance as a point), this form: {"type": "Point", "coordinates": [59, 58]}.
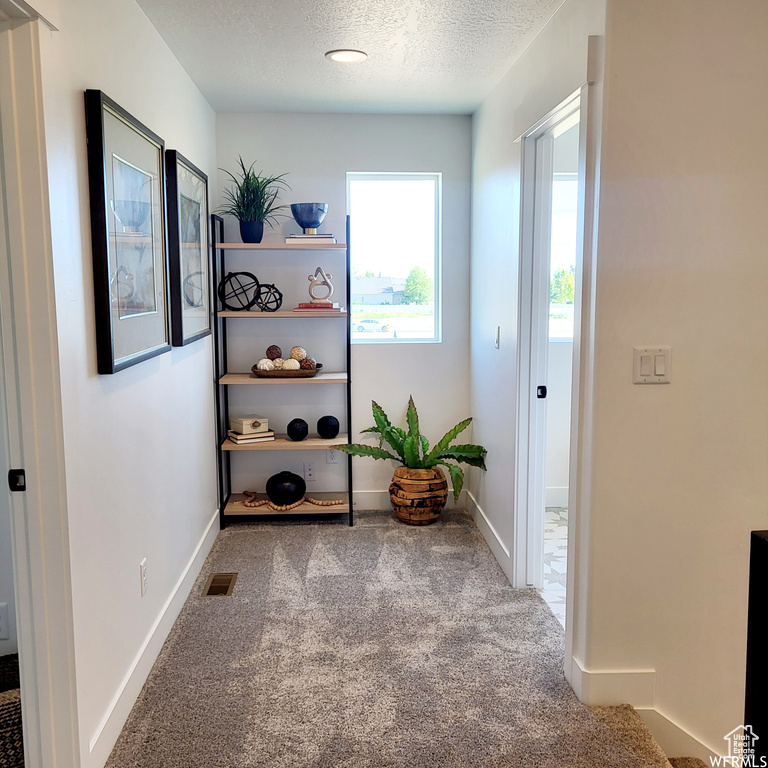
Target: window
{"type": "Point", "coordinates": [564, 228]}
{"type": "Point", "coordinates": [395, 238]}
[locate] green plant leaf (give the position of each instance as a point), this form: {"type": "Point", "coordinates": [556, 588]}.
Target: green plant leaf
{"type": "Point", "coordinates": [375, 430]}
{"type": "Point", "coordinates": [447, 438]}
{"type": "Point", "coordinates": [357, 449]}
{"type": "Point", "coordinates": [412, 417]}
{"type": "Point", "coordinates": [457, 478]}
{"type": "Point", "coordinates": [253, 197]}
{"type": "Point", "coordinates": [424, 445]}
{"type": "Point", "coordinates": [474, 455]}
{"type": "Point", "coordinates": [411, 453]}
{"type": "Point", "coordinates": [381, 418]}
{"type": "Point", "coordinates": [393, 437]}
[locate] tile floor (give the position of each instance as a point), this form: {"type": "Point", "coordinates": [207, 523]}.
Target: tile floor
{"type": "Point", "coordinates": [555, 560]}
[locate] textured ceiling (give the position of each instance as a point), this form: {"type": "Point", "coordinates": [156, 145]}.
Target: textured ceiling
{"type": "Point", "coordinates": [424, 55]}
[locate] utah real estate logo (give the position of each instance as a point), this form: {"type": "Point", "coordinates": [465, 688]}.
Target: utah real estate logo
{"type": "Point", "coordinates": [741, 750]}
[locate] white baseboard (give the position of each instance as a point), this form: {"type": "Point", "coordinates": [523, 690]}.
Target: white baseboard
{"type": "Point", "coordinates": [490, 534]}
{"type": "Point", "coordinates": [556, 497]}
{"type": "Point", "coordinates": [613, 686]}
{"type": "Point", "coordinates": [673, 738]}
{"type": "Point", "coordinates": [380, 500]}
{"type": "Point", "coordinates": [105, 736]}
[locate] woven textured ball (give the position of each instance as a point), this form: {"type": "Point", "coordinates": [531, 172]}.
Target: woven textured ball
{"type": "Point", "coordinates": [297, 430]}
{"type": "Point", "coordinates": [273, 352]}
{"type": "Point", "coordinates": [308, 364]}
{"type": "Point", "coordinates": [327, 427]}
{"type": "Point", "coordinates": [298, 353]}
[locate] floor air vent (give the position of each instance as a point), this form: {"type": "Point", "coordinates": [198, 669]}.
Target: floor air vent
{"type": "Point", "coordinates": [220, 584]}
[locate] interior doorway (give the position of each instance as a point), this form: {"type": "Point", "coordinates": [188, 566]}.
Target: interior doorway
{"type": "Point", "coordinates": [549, 295]}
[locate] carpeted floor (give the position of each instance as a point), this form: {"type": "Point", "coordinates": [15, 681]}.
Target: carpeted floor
{"type": "Point", "coordinates": [381, 645]}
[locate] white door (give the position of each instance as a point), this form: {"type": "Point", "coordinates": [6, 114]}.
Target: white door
{"type": "Point", "coordinates": [548, 303]}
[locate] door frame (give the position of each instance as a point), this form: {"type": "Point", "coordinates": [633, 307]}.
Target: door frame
{"type": "Point", "coordinates": [33, 409]}
{"type": "Point", "coordinates": [536, 169]}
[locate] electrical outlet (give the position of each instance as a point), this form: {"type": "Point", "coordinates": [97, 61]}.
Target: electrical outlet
{"type": "Point", "coordinates": [332, 456]}
{"type": "Point", "coordinates": [143, 574]}
{"type": "Point", "coordinates": [309, 472]}
{"type": "Point", "coordinates": [5, 629]}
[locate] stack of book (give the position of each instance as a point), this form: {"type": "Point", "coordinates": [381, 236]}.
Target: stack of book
{"type": "Point", "coordinates": [311, 306]}
{"type": "Point", "coordinates": [253, 437]}
{"type": "Point", "coordinates": [299, 240]}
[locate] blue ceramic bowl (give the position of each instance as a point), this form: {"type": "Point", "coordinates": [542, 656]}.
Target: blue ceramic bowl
{"type": "Point", "coordinates": [309, 215]}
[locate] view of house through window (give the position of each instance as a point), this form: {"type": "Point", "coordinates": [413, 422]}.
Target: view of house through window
{"type": "Point", "coordinates": [562, 260]}
{"type": "Point", "coordinates": [395, 244]}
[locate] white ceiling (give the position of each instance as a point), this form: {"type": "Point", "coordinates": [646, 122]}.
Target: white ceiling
{"type": "Point", "coordinates": [424, 55]}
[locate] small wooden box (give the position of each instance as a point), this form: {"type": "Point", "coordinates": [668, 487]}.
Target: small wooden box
{"type": "Point", "coordinates": [249, 425]}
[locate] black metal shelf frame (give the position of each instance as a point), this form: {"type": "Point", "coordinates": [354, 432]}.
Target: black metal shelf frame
{"type": "Point", "coordinates": [224, 458]}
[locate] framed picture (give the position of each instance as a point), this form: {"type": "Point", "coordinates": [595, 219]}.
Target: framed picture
{"type": "Point", "coordinates": [188, 253]}
{"type": "Point", "coordinates": [126, 175]}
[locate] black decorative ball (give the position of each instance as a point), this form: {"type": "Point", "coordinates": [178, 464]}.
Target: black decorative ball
{"type": "Point", "coordinates": [297, 429]}
{"type": "Point", "coordinates": [285, 488]}
{"type": "Point", "coordinates": [328, 427]}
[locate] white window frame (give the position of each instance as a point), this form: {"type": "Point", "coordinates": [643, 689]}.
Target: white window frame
{"type": "Point", "coordinates": [400, 176]}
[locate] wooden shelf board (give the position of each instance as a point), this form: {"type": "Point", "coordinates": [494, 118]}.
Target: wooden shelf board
{"type": "Point", "coordinates": [235, 506]}
{"type": "Point", "coordinates": [247, 378]}
{"type": "Point", "coordinates": [282, 313]}
{"type": "Point", "coordinates": [282, 247]}
{"type": "Point", "coordinates": [282, 443]}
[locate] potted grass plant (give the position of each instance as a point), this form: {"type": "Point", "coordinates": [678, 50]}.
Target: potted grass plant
{"type": "Point", "coordinates": [252, 200]}
{"type": "Point", "coordinates": [419, 490]}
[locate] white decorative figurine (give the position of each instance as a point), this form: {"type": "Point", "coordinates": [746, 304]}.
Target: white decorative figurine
{"type": "Point", "coordinates": [320, 280]}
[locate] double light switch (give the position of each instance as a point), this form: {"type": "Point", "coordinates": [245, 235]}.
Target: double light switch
{"type": "Point", "coordinates": [652, 365]}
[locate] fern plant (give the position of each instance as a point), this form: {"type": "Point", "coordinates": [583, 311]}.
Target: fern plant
{"type": "Point", "coordinates": [412, 449]}
{"type": "Point", "coordinates": [254, 197]}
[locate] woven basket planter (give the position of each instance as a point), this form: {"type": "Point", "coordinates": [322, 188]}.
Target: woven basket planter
{"type": "Point", "coordinates": [418, 495]}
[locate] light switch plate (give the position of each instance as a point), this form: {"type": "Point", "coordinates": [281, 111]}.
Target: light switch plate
{"type": "Point", "coordinates": [652, 365]}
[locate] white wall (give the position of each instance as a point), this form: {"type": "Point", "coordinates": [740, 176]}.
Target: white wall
{"type": "Point", "coordinates": [135, 487]}
{"type": "Point", "coordinates": [679, 470]}
{"type": "Point", "coordinates": [559, 372]}
{"type": "Point", "coordinates": [552, 68]}
{"type": "Point", "coordinates": [317, 151]}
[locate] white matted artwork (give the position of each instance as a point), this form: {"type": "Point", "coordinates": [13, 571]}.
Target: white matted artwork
{"type": "Point", "coordinates": [189, 256]}
{"type": "Point", "coordinates": [126, 172]}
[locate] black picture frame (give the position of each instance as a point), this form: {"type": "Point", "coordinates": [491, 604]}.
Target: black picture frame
{"type": "Point", "coordinates": [126, 172]}
{"type": "Point", "coordinates": [189, 254]}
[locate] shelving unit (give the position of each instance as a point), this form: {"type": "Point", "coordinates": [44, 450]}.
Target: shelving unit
{"type": "Point", "coordinates": [231, 502]}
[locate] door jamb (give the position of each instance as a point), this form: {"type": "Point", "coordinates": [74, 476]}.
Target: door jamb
{"type": "Point", "coordinates": [38, 516]}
